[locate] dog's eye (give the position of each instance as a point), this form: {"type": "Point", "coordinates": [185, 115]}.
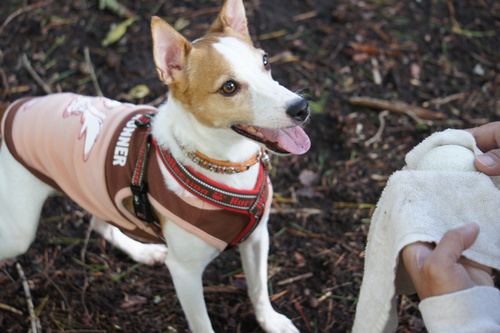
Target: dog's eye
{"type": "Point", "coordinates": [229, 88]}
{"type": "Point", "coordinates": [265, 61]}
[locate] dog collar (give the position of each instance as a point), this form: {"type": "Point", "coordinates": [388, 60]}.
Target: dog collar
{"type": "Point", "coordinates": [226, 167]}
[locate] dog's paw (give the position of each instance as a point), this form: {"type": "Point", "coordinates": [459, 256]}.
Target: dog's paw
{"type": "Point", "coordinates": [149, 254]}
{"type": "Point", "coordinates": [274, 322]}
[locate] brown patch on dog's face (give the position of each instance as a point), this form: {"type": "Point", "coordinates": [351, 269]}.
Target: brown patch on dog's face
{"type": "Point", "coordinates": [198, 76]}
{"type": "Point", "coordinates": [206, 90]}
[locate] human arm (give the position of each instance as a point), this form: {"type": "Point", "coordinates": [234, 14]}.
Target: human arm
{"type": "Point", "coordinates": [471, 310]}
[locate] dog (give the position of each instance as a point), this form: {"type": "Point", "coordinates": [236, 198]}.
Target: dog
{"type": "Point", "coordinates": [204, 150]}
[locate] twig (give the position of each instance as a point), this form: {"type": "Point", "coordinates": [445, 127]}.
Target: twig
{"type": "Point", "coordinates": [222, 289]}
{"type": "Point", "coordinates": [87, 331]}
{"type": "Point", "coordinates": [305, 16]}
{"type": "Point", "coordinates": [278, 295]}
{"type": "Point", "coordinates": [204, 11]}
{"type": "Point", "coordinates": [59, 290]}
{"type": "Point", "coordinates": [295, 279]}
{"type": "Point", "coordinates": [7, 262]}
{"type": "Point", "coordinates": [298, 211]}
{"type": "Point", "coordinates": [93, 76]}
{"type": "Point", "coordinates": [343, 204]}
{"type": "Point", "coordinates": [300, 310]}
{"type": "Point", "coordinates": [329, 320]}
{"type": "Point", "coordinates": [85, 243]}
{"type": "Point", "coordinates": [376, 76]}
{"type": "Point", "coordinates": [6, 92]}
{"type": "Point", "coordinates": [10, 308]}
{"type": "Point", "coordinates": [397, 107]}
{"type": "Point", "coordinates": [86, 280]}
{"type": "Point", "coordinates": [157, 7]}
{"type": "Point", "coordinates": [29, 300]}
{"type": "Point", "coordinates": [444, 100]}
{"type": "Point", "coordinates": [34, 74]}
{"type": "Point", "coordinates": [21, 11]}
{"type": "Point", "coordinates": [378, 135]}
{"type": "Point", "coordinates": [321, 236]}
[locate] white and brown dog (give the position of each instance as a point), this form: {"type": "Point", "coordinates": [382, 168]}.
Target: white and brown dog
{"type": "Point", "coordinates": [191, 174]}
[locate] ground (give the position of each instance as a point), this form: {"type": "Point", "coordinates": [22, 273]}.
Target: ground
{"type": "Point", "coordinates": [441, 55]}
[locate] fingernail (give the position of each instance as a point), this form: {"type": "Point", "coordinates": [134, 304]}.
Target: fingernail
{"type": "Point", "coordinates": [486, 160]}
{"type": "Point", "coordinates": [471, 226]}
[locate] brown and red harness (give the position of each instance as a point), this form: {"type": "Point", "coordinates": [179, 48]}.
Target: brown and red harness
{"type": "Point", "coordinates": [250, 203]}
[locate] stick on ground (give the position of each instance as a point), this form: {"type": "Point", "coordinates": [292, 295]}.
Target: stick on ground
{"type": "Point", "coordinates": [397, 107]}
{"type": "Point", "coordinates": [31, 309]}
{"type": "Point", "coordinates": [34, 74]}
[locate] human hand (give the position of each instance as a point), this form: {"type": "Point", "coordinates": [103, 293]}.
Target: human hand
{"type": "Point", "coordinates": [488, 140]}
{"type": "Point", "coordinates": [441, 269]}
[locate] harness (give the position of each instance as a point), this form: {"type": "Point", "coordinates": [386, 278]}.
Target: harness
{"type": "Point", "coordinates": [250, 203]}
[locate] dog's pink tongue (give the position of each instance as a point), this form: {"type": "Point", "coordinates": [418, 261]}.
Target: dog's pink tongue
{"type": "Point", "coordinates": [294, 140]}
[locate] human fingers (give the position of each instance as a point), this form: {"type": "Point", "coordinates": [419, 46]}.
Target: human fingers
{"type": "Point", "coordinates": [488, 140]}
{"type": "Point", "coordinates": [487, 136]}
{"type": "Point", "coordinates": [439, 272]}
{"type": "Point", "coordinates": [456, 241]}
{"type": "Point", "coordinates": [453, 244]}
{"type": "Point", "coordinates": [414, 255]}
{"type": "Point", "coordinates": [488, 163]}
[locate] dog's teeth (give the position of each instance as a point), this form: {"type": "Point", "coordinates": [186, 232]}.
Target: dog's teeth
{"type": "Point", "coordinates": [251, 129]}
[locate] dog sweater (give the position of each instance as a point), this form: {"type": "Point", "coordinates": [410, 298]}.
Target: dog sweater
{"type": "Point", "coordinates": [87, 148]}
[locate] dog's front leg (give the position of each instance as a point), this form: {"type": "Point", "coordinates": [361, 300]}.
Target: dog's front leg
{"type": "Point", "coordinates": [187, 258]}
{"type": "Point", "coordinates": [254, 254]}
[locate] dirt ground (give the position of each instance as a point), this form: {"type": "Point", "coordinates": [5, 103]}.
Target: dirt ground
{"type": "Point", "coordinates": [440, 55]}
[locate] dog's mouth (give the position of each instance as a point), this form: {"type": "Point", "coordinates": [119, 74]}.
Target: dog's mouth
{"type": "Point", "coordinates": [291, 140]}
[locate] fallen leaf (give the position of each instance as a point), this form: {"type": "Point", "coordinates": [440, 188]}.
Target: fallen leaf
{"type": "Point", "coordinates": [139, 91]}
{"type": "Point", "coordinates": [115, 7]}
{"type": "Point", "coordinates": [117, 32]}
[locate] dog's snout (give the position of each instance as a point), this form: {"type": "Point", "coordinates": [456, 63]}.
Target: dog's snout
{"type": "Point", "coordinates": [299, 111]}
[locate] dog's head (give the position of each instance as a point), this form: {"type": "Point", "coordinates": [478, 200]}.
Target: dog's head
{"type": "Point", "coordinates": [225, 82]}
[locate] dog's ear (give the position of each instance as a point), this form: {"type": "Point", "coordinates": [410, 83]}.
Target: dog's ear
{"type": "Point", "coordinates": [170, 50]}
{"type": "Point", "coordinates": [233, 16]}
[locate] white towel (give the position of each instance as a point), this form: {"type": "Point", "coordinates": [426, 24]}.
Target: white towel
{"type": "Point", "coordinates": [421, 205]}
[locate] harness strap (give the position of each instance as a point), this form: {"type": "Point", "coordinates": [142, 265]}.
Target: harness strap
{"type": "Point", "coordinates": [139, 187]}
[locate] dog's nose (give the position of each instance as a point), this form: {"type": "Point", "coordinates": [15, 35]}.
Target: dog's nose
{"type": "Point", "coordinates": [299, 111]}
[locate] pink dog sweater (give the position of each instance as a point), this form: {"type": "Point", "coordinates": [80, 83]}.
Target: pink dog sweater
{"type": "Point", "coordinates": [87, 147]}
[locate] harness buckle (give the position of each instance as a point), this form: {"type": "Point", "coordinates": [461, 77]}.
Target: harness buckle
{"type": "Point", "coordinates": [144, 120]}
{"type": "Point", "coordinates": [142, 206]}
